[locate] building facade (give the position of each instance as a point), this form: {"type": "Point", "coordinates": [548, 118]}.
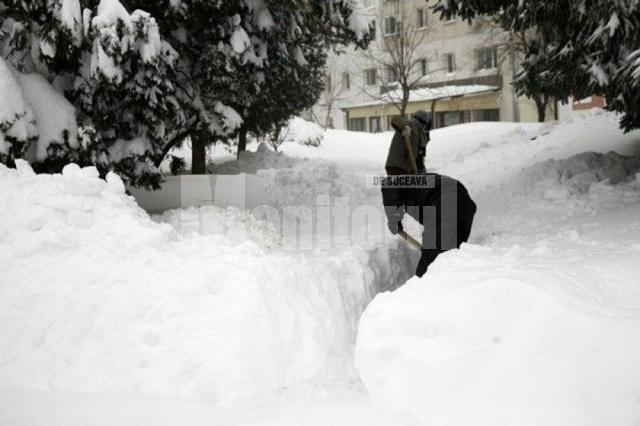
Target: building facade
{"type": "Point", "coordinates": [460, 72]}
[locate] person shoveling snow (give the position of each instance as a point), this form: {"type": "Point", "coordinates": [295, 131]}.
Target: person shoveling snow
{"type": "Point", "coordinates": [439, 203]}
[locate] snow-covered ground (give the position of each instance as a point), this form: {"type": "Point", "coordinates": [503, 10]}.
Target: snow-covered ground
{"type": "Point", "coordinates": [211, 316]}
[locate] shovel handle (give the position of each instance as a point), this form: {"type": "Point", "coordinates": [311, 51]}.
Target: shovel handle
{"type": "Point", "coordinates": [412, 156]}
{"type": "Point", "coordinates": [410, 240]}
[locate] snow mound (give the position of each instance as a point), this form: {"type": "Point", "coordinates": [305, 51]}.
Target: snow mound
{"type": "Point", "coordinates": [43, 213]}
{"type": "Point", "coordinates": [341, 146]}
{"type": "Point", "coordinates": [487, 154]}
{"type": "Point", "coordinates": [554, 192]}
{"type": "Point", "coordinates": [291, 181]}
{"type": "Point", "coordinates": [576, 174]}
{"type": "Point", "coordinates": [304, 132]}
{"type": "Point", "coordinates": [251, 162]}
{"type": "Point", "coordinates": [487, 338]}
{"type": "Point", "coordinates": [302, 185]}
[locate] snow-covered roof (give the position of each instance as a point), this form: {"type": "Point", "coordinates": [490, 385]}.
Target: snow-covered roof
{"type": "Point", "coordinates": [427, 94]}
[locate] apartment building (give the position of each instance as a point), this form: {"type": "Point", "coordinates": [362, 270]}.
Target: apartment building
{"type": "Point", "coordinates": [460, 72]}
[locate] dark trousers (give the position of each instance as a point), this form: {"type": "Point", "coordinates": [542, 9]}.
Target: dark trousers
{"type": "Point", "coordinates": [447, 216]}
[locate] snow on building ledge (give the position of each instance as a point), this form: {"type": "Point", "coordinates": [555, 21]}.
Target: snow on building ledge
{"type": "Point", "coordinates": [426, 94]}
{"type": "Point", "coordinates": [450, 104]}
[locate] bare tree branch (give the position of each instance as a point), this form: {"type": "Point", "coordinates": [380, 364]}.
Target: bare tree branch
{"type": "Point", "coordinates": [397, 54]}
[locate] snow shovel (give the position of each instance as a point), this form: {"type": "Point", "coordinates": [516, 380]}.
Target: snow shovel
{"type": "Point", "coordinates": [410, 240]}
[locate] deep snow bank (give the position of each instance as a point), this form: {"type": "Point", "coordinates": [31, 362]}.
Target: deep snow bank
{"type": "Point", "coordinates": [484, 154]}
{"type": "Point", "coordinates": [490, 339]}
{"type": "Point", "coordinates": [95, 296]}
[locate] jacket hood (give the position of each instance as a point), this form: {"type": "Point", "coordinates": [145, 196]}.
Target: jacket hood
{"type": "Point", "coordinates": [424, 118]}
{"type": "Point", "coordinates": [399, 123]}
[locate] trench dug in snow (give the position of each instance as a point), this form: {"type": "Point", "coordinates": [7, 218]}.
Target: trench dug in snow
{"type": "Point", "coordinates": [172, 306]}
{"type": "Point", "coordinates": [302, 308]}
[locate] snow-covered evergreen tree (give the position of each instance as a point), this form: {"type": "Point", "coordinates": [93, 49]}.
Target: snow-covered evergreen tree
{"type": "Point", "coordinates": [583, 47]}
{"type": "Point", "coordinates": [36, 37]}
{"type": "Point", "coordinates": [289, 88]}
{"type": "Point", "coordinates": [115, 69]}
{"type": "Point", "coordinates": [125, 94]}
{"type": "Point", "coordinates": [292, 81]}
{"type": "Point", "coordinates": [143, 76]}
{"type": "Point", "coordinates": [233, 54]}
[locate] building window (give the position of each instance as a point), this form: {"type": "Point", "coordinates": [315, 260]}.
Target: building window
{"type": "Point", "coordinates": [487, 58]}
{"type": "Point", "coordinates": [450, 62]}
{"type": "Point", "coordinates": [486, 115]}
{"type": "Point", "coordinates": [391, 25]}
{"type": "Point", "coordinates": [346, 81]}
{"type": "Point", "coordinates": [327, 82]}
{"type": "Point", "coordinates": [451, 118]}
{"type": "Point", "coordinates": [370, 77]}
{"type": "Point", "coordinates": [357, 124]}
{"type": "Point", "coordinates": [422, 17]}
{"type": "Point", "coordinates": [374, 29]}
{"type": "Point", "coordinates": [424, 67]}
{"type": "Point", "coordinates": [375, 124]}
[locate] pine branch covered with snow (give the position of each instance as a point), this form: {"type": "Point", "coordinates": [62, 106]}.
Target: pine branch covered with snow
{"type": "Point", "coordinates": [17, 125]}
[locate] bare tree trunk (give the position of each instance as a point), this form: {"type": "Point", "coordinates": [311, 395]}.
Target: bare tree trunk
{"type": "Point", "coordinates": [405, 100]}
{"type": "Point", "coordinates": [541, 107]}
{"type": "Point", "coordinates": [514, 74]}
{"type": "Point", "coordinates": [433, 114]}
{"type": "Point", "coordinates": [242, 141]}
{"type": "Point", "coordinates": [328, 119]}
{"type": "Point", "coordinates": [276, 137]}
{"type": "Point", "coordinates": [199, 153]}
